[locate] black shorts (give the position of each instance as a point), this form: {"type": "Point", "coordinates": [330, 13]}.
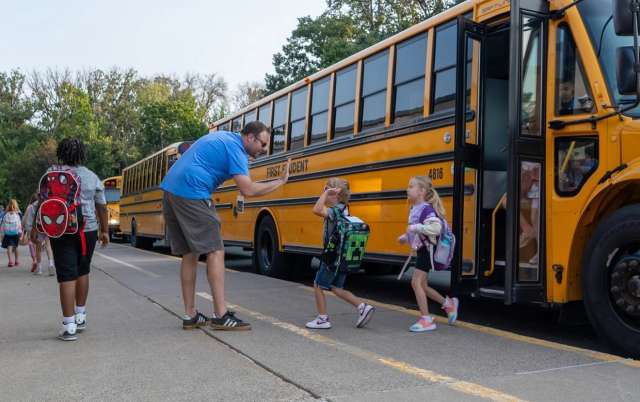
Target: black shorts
{"type": "Point", "coordinates": [10, 241]}
{"type": "Point", "coordinates": [67, 255]}
{"type": "Point", "coordinates": [423, 259]}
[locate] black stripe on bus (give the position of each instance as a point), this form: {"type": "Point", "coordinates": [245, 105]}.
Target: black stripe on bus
{"type": "Point", "coordinates": [368, 167]}
{"type": "Point", "coordinates": [140, 202]}
{"type": "Point", "coordinates": [370, 196]}
{"type": "Point", "coordinates": [364, 137]}
{"type": "Point", "coordinates": [238, 243]}
{"type": "Point", "coordinates": [373, 257]}
{"type": "Point", "coordinates": [140, 213]}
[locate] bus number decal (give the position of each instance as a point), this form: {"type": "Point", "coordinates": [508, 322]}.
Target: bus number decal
{"type": "Point", "coordinates": [295, 167]}
{"type": "Point", "coordinates": [436, 174]}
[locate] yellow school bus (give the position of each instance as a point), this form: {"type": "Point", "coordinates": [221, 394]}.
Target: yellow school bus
{"type": "Point", "coordinates": [112, 192]}
{"type": "Point", "coordinates": [515, 110]}
{"type": "Point", "coordinates": [141, 218]}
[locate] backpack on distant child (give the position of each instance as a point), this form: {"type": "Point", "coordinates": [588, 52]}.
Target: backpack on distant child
{"type": "Point", "coordinates": [11, 224]}
{"type": "Point", "coordinates": [445, 245]}
{"type": "Point", "coordinates": [345, 247]}
{"type": "Point", "coordinates": [59, 211]}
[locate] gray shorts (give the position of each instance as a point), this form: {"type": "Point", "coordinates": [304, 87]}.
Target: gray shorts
{"type": "Point", "coordinates": [192, 226]}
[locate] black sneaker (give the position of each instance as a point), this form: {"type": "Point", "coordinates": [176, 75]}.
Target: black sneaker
{"type": "Point", "coordinates": [229, 322]}
{"type": "Point", "coordinates": [199, 320]}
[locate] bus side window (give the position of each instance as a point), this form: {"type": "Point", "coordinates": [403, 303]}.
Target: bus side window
{"type": "Point", "coordinates": [576, 159]}
{"type": "Point", "coordinates": [572, 93]}
{"type": "Point", "coordinates": [171, 160]}
{"type": "Point", "coordinates": [319, 111]}
{"type": "Point", "coordinates": [444, 68]}
{"type": "Point", "coordinates": [279, 121]}
{"type": "Point", "coordinates": [236, 125]}
{"type": "Point", "coordinates": [374, 89]}
{"type": "Point", "coordinates": [344, 102]}
{"type": "Point", "coordinates": [298, 114]}
{"type": "Point", "coordinates": [409, 78]}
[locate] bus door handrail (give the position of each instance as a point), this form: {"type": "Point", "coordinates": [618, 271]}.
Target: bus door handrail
{"type": "Point", "coordinates": [493, 236]}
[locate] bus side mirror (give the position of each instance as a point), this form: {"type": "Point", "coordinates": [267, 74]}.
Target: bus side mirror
{"type": "Point", "coordinates": [625, 71]}
{"type": "Point", "coordinates": [623, 16]}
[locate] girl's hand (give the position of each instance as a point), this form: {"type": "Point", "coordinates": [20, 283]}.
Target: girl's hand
{"type": "Point", "coordinates": [332, 191]}
{"type": "Point", "coordinates": [402, 239]}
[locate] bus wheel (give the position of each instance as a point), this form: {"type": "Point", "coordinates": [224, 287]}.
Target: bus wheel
{"type": "Point", "coordinates": [267, 258]}
{"type": "Point", "coordinates": [611, 280]}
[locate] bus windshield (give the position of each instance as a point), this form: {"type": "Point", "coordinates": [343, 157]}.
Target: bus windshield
{"type": "Point", "coordinates": [597, 17]}
{"type": "Point", "coordinates": [112, 194]}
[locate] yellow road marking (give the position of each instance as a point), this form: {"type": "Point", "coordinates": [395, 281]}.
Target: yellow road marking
{"type": "Point", "coordinates": [506, 334]}
{"type": "Point", "coordinates": [466, 387]}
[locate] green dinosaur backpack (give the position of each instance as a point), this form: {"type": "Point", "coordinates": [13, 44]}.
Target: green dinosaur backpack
{"type": "Point", "coordinates": [345, 248]}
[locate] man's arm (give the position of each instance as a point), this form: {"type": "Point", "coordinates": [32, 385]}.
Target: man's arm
{"type": "Point", "coordinates": [249, 188]}
{"type": "Point", "coordinates": [102, 215]}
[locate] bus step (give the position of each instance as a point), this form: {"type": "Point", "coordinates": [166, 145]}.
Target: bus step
{"type": "Point", "coordinates": [492, 292]}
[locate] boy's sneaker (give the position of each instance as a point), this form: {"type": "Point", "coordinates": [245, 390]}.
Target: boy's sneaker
{"type": "Point", "coordinates": [365, 312]}
{"type": "Point", "coordinates": [319, 323]}
{"type": "Point", "coordinates": [423, 324]}
{"type": "Point", "coordinates": [229, 322]}
{"type": "Point", "coordinates": [450, 306]}
{"type": "Point", "coordinates": [81, 322]}
{"type": "Point", "coordinates": [197, 321]}
{"type": "Point", "coordinates": [68, 332]}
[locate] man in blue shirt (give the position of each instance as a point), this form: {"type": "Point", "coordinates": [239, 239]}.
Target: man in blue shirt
{"type": "Point", "coordinates": [192, 224]}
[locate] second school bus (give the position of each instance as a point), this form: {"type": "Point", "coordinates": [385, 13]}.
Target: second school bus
{"type": "Point", "coordinates": [523, 113]}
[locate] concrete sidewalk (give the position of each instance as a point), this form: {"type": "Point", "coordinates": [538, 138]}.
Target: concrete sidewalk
{"type": "Point", "coordinates": [132, 350]}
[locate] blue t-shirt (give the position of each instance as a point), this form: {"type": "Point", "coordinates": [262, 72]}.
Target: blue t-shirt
{"type": "Point", "coordinates": [213, 159]}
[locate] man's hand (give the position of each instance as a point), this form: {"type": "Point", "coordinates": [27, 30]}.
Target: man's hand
{"type": "Point", "coordinates": [104, 239]}
{"type": "Point", "coordinates": [285, 174]}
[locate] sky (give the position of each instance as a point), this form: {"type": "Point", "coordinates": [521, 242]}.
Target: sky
{"type": "Point", "coordinates": [235, 39]}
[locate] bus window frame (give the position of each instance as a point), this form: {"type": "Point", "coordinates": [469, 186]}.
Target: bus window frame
{"type": "Point", "coordinates": [408, 118]}
{"type": "Point", "coordinates": [303, 118]}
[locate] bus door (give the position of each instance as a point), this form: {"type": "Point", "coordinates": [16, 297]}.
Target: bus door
{"type": "Point", "coordinates": [468, 155]}
{"type": "Point", "coordinates": [499, 79]}
{"type": "Point", "coordinates": [525, 200]}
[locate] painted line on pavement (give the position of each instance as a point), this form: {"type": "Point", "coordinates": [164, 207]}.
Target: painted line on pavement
{"type": "Point", "coordinates": [605, 357]}
{"type": "Point", "coordinates": [126, 264]}
{"type": "Point", "coordinates": [466, 387]}
{"type": "Point", "coordinates": [156, 254]}
{"type": "Point", "coordinates": [568, 367]}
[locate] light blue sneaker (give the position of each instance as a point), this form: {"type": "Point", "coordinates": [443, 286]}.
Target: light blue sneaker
{"type": "Point", "coordinates": [423, 324]}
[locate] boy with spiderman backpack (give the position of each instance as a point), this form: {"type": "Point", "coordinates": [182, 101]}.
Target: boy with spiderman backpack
{"type": "Point", "coordinates": [71, 210]}
{"type": "Point", "coordinates": [344, 241]}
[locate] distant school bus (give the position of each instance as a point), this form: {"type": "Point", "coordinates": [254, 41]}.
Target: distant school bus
{"type": "Point", "coordinates": [112, 192]}
{"type": "Point", "coordinates": [515, 111]}
{"type": "Point", "coordinates": [141, 205]}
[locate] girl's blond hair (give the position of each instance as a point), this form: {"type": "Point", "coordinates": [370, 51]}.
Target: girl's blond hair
{"type": "Point", "coordinates": [13, 206]}
{"type": "Point", "coordinates": [343, 185]}
{"type": "Point", "coordinates": [431, 195]}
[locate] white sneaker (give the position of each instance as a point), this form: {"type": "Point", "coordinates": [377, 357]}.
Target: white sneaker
{"type": "Point", "coordinates": [52, 270]}
{"type": "Point", "coordinates": [364, 315]}
{"type": "Point", "coordinates": [81, 321]}
{"type": "Point", "coordinates": [68, 332]}
{"type": "Point", "coordinates": [319, 323]}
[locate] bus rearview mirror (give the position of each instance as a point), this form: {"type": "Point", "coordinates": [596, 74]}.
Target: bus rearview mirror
{"type": "Point", "coordinates": [623, 17]}
{"type": "Point", "coordinates": [625, 72]}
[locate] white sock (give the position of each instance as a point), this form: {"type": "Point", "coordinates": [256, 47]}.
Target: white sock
{"type": "Point", "coordinates": [323, 317]}
{"type": "Point", "coordinates": [427, 317]}
{"type": "Point", "coordinates": [50, 264]}
{"type": "Point", "coordinates": [81, 309]}
{"type": "Point", "coordinates": [360, 306]}
{"type": "Point", "coordinates": [68, 320]}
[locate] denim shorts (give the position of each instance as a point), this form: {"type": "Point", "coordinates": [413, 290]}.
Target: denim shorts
{"type": "Point", "coordinates": [327, 279]}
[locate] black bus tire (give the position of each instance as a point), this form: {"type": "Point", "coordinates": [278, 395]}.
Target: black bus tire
{"type": "Point", "coordinates": [609, 254]}
{"type": "Point", "coordinates": [267, 258]}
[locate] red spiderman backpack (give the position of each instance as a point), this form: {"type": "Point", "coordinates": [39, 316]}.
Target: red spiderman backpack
{"type": "Point", "coordinates": [60, 211]}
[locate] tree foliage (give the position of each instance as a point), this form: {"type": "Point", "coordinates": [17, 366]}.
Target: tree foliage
{"type": "Point", "coordinates": [344, 28]}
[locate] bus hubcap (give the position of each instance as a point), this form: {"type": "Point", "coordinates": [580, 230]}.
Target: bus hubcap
{"type": "Point", "coordinates": [625, 285]}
